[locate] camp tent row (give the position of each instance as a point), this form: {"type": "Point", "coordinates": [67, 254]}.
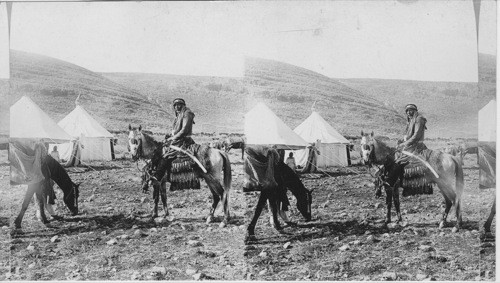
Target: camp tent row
{"type": "Point", "coordinates": [78, 136]}
{"type": "Point", "coordinates": [263, 127]}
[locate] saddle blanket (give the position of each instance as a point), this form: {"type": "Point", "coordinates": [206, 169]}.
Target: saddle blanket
{"type": "Point", "coordinates": [415, 179]}
{"type": "Point", "coordinates": [184, 171]}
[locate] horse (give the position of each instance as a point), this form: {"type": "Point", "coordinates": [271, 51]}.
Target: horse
{"type": "Point", "coordinates": [217, 177]}
{"type": "Point", "coordinates": [448, 170]}
{"type": "Point", "coordinates": [273, 187]}
{"type": "Point", "coordinates": [51, 169]}
{"type": "Point", "coordinates": [235, 142]}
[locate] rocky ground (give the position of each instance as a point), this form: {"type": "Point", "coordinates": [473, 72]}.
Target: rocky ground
{"type": "Point", "coordinates": [113, 238]}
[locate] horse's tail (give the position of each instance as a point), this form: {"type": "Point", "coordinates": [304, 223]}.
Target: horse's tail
{"type": "Point", "coordinates": [459, 187]}
{"type": "Point", "coordinates": [227, 171]}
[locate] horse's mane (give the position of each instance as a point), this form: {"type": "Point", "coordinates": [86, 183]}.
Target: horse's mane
{"type": "Point", "coordinates": [260, 153]}
{"type": "Point", "coordinates": [381, 143]}
{"type": "Point", "coordinates": [58, 173]}
{"type": "Point", "coordinates": [291, 180]}
{"type": "Point", "coordinates": [149, 138]}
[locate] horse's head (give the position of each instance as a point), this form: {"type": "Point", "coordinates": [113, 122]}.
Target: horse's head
{"type": "Point", "coordinates": [71, 198]}
{"type": "Point", "coordinates": [134, 141]}
{"type": "Point", "coordinates": [304, 205]}
{"type": "Point", "coordinates": [367, 147]}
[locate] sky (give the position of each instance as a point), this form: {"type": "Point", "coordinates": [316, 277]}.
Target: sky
{"type": "Point", "coordinates": [4, 42]}
{"type": "Point", "coordinates": [413, 40]}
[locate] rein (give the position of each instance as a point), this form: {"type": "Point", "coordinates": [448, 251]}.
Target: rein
{"type": "Point", "coordinates": [72, 192]}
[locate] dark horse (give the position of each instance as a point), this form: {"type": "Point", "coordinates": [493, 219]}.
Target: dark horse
{"type": "Point", "coordinates": [235, 142]}
{"type": "Point", "coordinates": [216, 162]}
{"type": "Point", "coordinates": [51, 169]}
{"type": "Point", "coordinates": [450, 180]}
{"type": "Point", "coordinates": [265, 160]}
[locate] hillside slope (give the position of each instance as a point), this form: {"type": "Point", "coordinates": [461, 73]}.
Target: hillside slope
{"type": "Point", "coordinates": [349, 105]}
{"type": "Point", "coordinates": [218, 102]}
{"type": "Point", "coordinates": [450, 107]}
{"type": "Point", "coordinates": [55, 84]}
{"type": "Point", "coordinates": [487, 78]}
{"type": "Point", "coordinates": [291, 91]}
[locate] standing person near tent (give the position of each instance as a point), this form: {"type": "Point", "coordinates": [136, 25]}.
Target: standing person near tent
{"type": "Point", "coordinates": [180, 135]}
{"type": "Point", "coordinates": [312, 158]}
{"type": "Point", "coordinates": [55, 154]}
{"type": "Point", "coordinates": [290, 161]}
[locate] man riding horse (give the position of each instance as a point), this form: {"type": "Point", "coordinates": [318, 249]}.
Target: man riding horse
{"type": "Point", "coordinates": [415, 128]}
{"type": "Point", "coordinates": [180, 136]}
{"type": "Point", "coordinates": [413, 140]}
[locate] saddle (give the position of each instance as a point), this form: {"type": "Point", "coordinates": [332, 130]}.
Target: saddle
{"type": "Point", "coordinates": [416, 179]}
{"type": "Point", "coordinates": [259, 168]}
{"type": "Point", "coordinates": [184, 170]}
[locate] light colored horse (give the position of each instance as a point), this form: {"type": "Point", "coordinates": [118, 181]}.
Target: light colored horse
{"type": "Point", "coordinates": [216, 162]}
{"type": "Point", "coordinates": [450, 180]}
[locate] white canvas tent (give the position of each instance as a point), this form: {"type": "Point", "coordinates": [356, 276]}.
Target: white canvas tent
{"type": "Point", "coordinates": [263, 127]}
{"type": "Point", "coordinates": [487, 118]}
{"type": "Point", "coordinates": [332, 145]}
{"type": "Point", "coordinates": [95, 140]}
{"type": "Point", "coordinates": [30, 126]}
{"type": "Point", "coordinates": [28, 121]}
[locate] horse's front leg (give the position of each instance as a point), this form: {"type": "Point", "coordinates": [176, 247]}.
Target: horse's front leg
{"type": "Point", "coordinates": [156, 198]}
{"type": "Point", "coordinates": [388, 202]}
{"type": "Point", "coordinates": [395, 196]}
{"type": "Point", "coordinates": [163, 195]}
{"type": "Point", "coordinates": [274, 211]}
{"type": "Point", "coordinates": [258, 210]}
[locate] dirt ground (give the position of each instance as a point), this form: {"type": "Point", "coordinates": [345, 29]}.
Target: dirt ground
{"type": "Point", "coordinates": [113, 238]}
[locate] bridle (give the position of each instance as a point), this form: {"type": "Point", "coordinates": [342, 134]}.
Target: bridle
{"type": "Point", "coordinates": [136, 140]}
{"type": "Point", "coordinates": [72, 192]}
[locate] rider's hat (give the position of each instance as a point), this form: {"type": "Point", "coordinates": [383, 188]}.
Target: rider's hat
{"type": "Point", "coordinates": [411, 107]}
{"type": "Point", "coordinates": [179, 101]}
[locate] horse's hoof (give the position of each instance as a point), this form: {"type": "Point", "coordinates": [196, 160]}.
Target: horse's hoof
{"type": "Point", "coordinates": [486, 235]}
{"type": "Point", "coordinates": [57, 217]}
{"type": "Point", "coordinates": [441, 225]}
{"type": "Point", "coordinates": [49, 226]}
{"type": "Point", "coordinates": [250, 238]}
{"type": "Point", "coordinates": [282, 232]}
{"type": "Point", "coordinates": [455, 230]}
{"type": "Point", "coordinates": [210, 219]}
{"type": "Point", "coordinates": [222, 225]}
